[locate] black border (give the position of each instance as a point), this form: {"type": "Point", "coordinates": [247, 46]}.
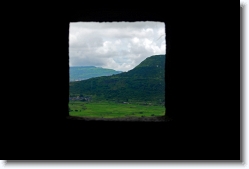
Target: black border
{"type": "Point", "coordinates": [186, 97]}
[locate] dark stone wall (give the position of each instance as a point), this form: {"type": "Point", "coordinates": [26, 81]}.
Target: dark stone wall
{"type": "Point", "coordinates": [202, 126]}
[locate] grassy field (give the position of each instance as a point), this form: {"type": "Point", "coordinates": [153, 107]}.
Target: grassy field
{"type": "Point", "coordinates": [114, 110]}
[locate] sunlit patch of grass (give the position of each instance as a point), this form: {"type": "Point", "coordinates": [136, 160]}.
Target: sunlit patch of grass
{"type": "Point", "coordinates": [114, 110]}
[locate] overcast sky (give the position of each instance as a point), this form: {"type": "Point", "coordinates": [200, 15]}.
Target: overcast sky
{"type": "Point", "coordinates": [115, 45]}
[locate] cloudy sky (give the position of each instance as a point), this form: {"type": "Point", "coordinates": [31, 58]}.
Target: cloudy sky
{"type": "Point", "coordinates": [115, 45]}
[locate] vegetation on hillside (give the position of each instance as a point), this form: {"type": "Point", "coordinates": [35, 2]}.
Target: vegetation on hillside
{"type": "Point", "coordinates": [146, 82]}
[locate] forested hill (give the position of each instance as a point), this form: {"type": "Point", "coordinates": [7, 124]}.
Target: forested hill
{"type": "Point", "coordinates": [87, 72]}
{"type": "Point", "coordinates": [151, 67]}
{"type": "Point", "coordinates": [146, 82]}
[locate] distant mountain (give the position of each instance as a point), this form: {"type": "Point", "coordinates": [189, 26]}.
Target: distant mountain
{"type": "Point", "coordinates": [86, 72]}
{"type": "Point", "coordinates": [146, 82]}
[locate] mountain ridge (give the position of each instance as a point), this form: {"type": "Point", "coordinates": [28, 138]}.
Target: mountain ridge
{"type": "Point", "coordinates": [78, 73]}
{"type": "Point", "coordinates": [146, 82]}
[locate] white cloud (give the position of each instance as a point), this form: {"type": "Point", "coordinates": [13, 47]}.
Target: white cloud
{"type": "Point", "coordinates": [115, 45]}
{"type": "Point", "coordinates": [135, 40]}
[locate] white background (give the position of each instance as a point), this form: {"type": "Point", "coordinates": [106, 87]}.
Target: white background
{"type": "Point", "coordinates": [178, 165]}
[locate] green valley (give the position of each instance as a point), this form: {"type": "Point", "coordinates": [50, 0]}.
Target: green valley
{"type": "Point", "coordinates": [141, 89]}
{"type": "Point", "coordinates": [113, 110]}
